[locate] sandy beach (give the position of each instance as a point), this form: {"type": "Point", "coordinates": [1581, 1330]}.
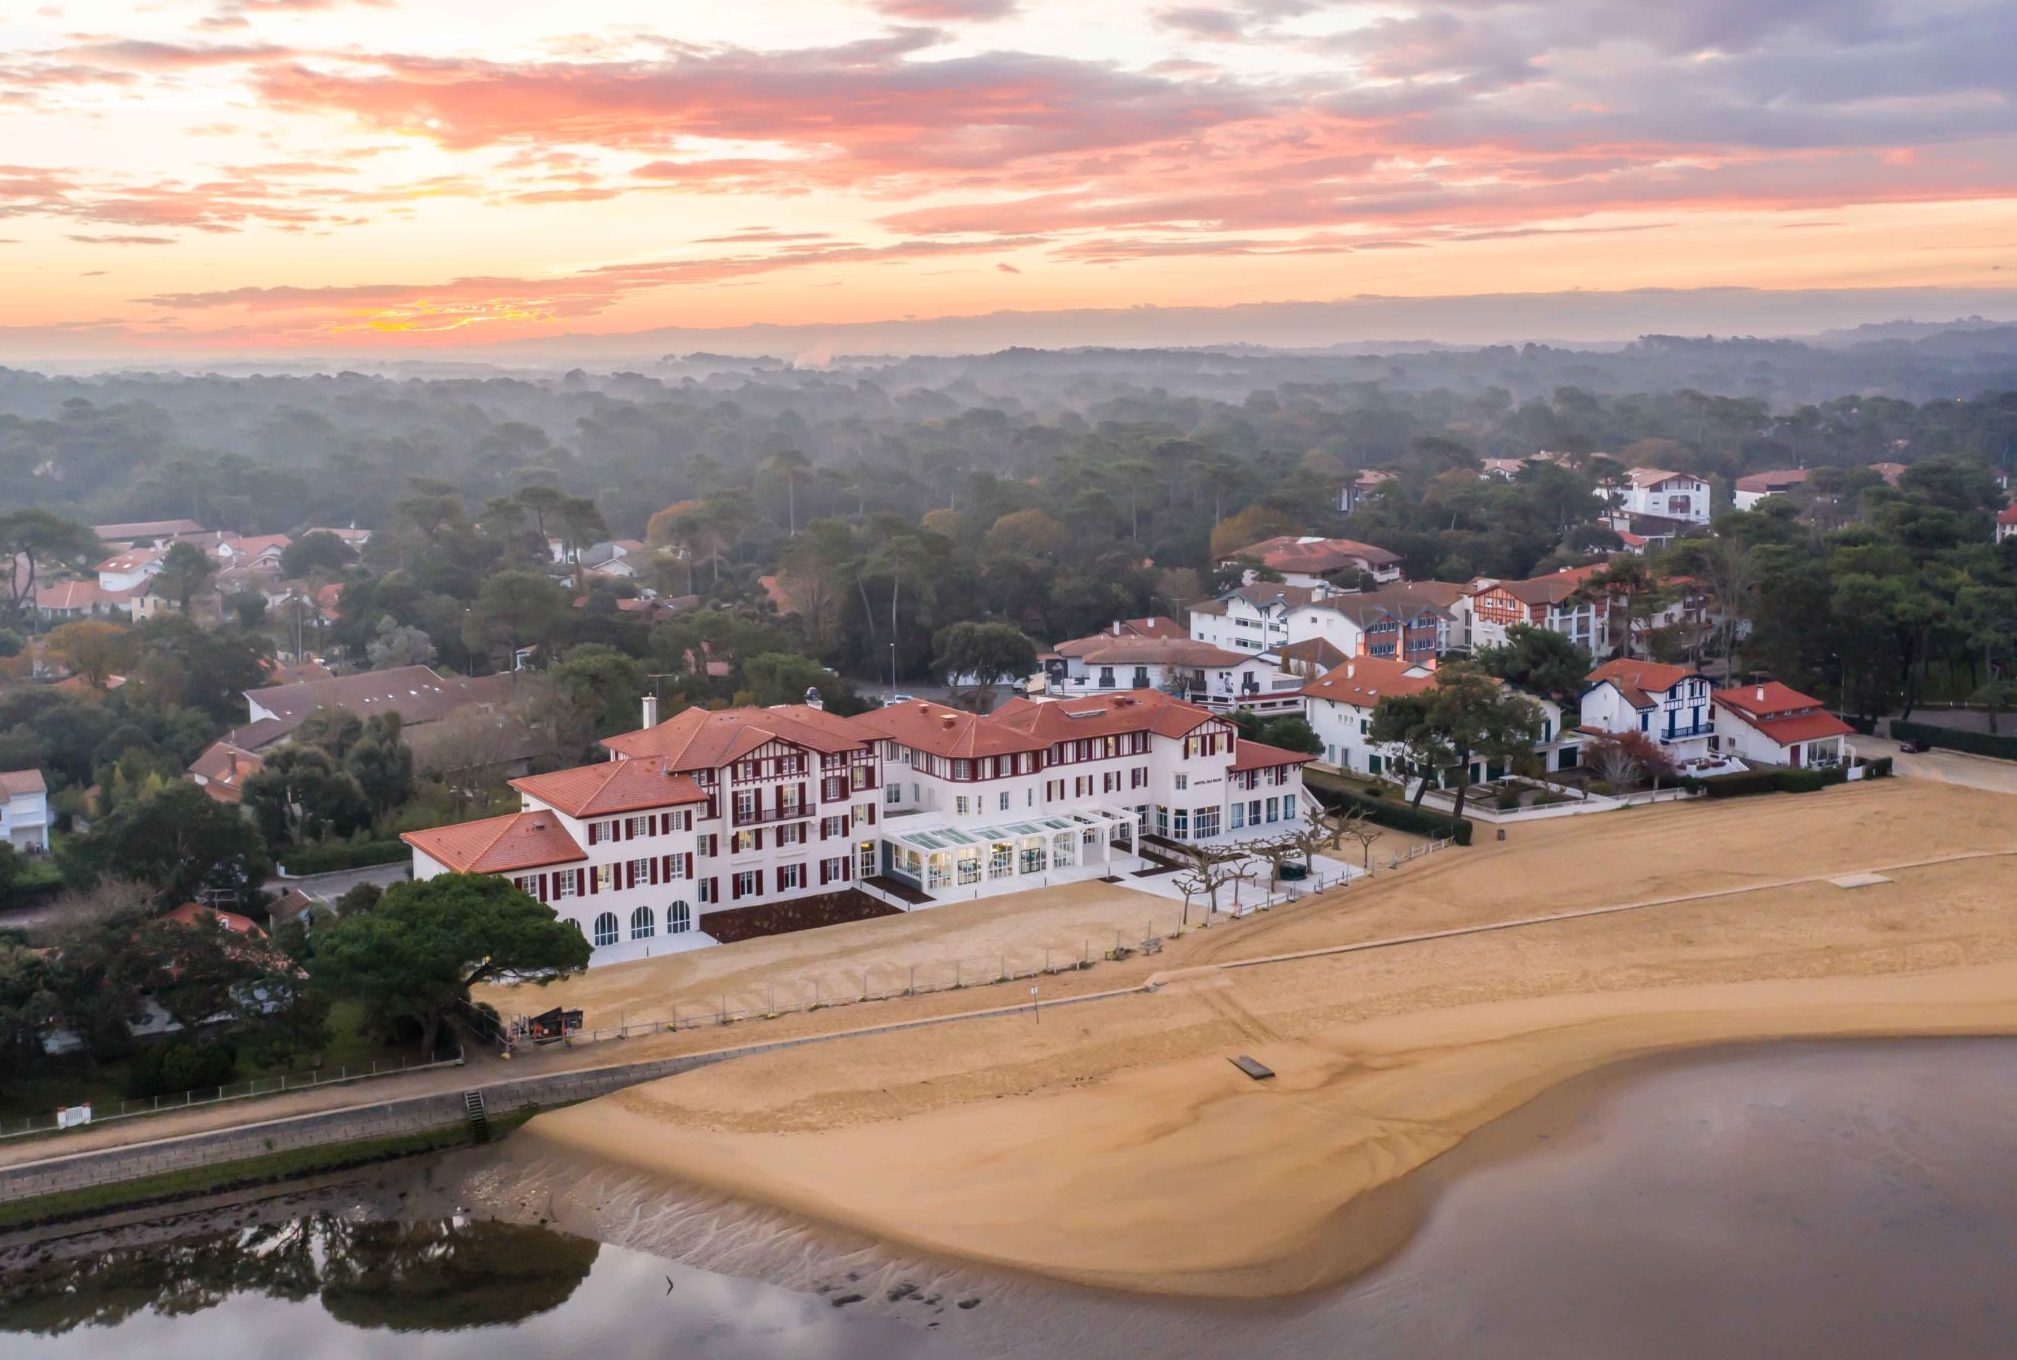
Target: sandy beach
{"type": "Point", "coordinates": [1113, 1144]}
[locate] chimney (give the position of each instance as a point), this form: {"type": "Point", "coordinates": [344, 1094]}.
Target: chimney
{"type": "Point", "coordinates": [812, 699]}
{"type": "Point", "coordinates": [1761, 694]}
{"type": "Point", "coordinates": [651, 710]}
{"type": "Point", "coordinates": [1117, 627]}
{"type": "Point", "coordinates": [1351, 669]}
{"type": "Point", "coordinates": [947, 722]}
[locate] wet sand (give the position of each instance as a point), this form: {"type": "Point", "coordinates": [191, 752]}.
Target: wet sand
{"type": "Point", "coordinates": [1190, 1179]}
{"type": "Point", "coordinates": [1843, 1198]}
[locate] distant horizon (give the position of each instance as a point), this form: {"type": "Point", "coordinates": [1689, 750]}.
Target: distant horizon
{"type": "Point", "coordinates": [1580, 319]}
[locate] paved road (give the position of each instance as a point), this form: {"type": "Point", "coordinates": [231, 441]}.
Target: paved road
{"type": "Point", "coordinates": [1947, 767]}
{"type": "Point", "coordinates": [342, 880]}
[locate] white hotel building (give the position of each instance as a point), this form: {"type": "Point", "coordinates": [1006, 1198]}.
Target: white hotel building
{"type": "Point", "coordinates": [712, 811]}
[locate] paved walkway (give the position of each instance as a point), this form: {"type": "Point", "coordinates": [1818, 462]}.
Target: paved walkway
{"type": "Point", "coordinates": [1947, 767]}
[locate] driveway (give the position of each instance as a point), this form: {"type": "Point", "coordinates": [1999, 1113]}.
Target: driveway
{"type": "Point", "coordinates": [1947, 767]}
{"type": "Point", "coordinates": [335, 884]}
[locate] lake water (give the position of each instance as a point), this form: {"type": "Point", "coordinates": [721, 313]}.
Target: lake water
{"type": "Point", "coordinates": [1833, 1200]}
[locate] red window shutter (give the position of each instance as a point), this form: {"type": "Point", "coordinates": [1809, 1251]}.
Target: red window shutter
{"type": "Point", "coordinates": [542, 887]}
{"type": "Point", "coordinates": [822, 873]}
{"type": "Point", "coordinates": [665, 868]}
{"type": "Point", "coordinates": [759, 882]}
{"type": "Point", "coordinates": [871, 814]}
{"type": "Point", "coordinates": [652, 870]}
{"type": "Point", "coordinates": [594, 882]}
{"type": "Point", "coordinates": [591, 833]}
{"type": "Point", "coordinates": [735, 886]}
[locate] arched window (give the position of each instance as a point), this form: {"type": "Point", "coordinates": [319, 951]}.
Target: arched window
{"type": "Point", "coordinates": [643, 925]}
{"type": "Point", "coordinates": [678, 918]}
{"type": "Point", "coordinates": [605, 929]}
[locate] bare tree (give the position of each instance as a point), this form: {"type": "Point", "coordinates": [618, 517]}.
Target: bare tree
{"type": "Point", "coordinates": [1357, 827]}
{"type": "Point", "coordinates": [1209, 869]}
{"type": "Point", "coordinates": [1277, 851]}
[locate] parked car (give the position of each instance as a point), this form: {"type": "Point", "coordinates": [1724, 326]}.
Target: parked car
{"type": "Point", "coordinates": [896, 699]}
{"type": "Point", "coordinates": [1915, 747]}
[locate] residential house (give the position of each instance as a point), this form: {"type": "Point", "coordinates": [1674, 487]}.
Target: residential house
{"type": "Point", "coordinates": [223, 767]}
{"type": "Point", "coordinates": [1340, 711]}
{"type": "Point", "coordinates": [1361, 487]}
{"type": "Point", "coordinates": [711, 811]}
{"type": "Point", "coordinates": [146, 531]}
{"type": "Point", "coordinates": [24, 809]}
{"type": "Point", "coordinates": [1669, 704]}
{"type": "Point", "coordinates": [1197, 672]}
{"type": "Point", "coordinates": [1410, 622]}
{"type": "Point", "coordinates": [1772, 724]}
{"type": "Point", "coordinates": [1558, 602]}
{"type": "Point", "coordinates": [1319, 563]}
{"type": "Point", "coordinates": [1504, 469]}
{"type": "Point", "coordinates": [1251, 618]}
{"type": "Point", "coordinates": [1309, 658]}
{"type": "Point", "coordinates": [2006, 523]}
{"type": "Point", "coordinates": [77, 599]}
{"type": "Point", "coordinates": [1757, 486]}
{"type": "Point", "coordinates": [125, 572]}
{"type": "Point", "coordinates": [1680, 496]}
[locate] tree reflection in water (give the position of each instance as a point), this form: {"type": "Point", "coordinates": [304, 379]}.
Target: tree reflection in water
{"type": "Point", "coordinates": [430, 1275]}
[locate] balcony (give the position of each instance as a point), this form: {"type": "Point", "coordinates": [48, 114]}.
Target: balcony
{"type": "Point", "coordinates": [765, 816]}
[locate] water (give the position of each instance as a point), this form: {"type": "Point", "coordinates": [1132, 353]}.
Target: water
{"type": "Point", "coordinates": [321, 1284]}
{"type": "Point", "coordinates": [1842, 1200]}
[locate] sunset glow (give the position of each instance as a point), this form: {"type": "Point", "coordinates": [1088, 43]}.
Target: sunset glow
{"type": "Point", "coordinates": [316, 175]}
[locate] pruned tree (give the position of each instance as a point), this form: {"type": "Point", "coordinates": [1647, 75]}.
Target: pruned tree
{"type": "Point", "coordinates": [1627, 760]}
{"type": "Point", "coordinates": [1209, 868]}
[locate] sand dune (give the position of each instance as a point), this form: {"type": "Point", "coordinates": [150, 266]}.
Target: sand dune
{"type": "Point", "coordinates": [1113, 1144]}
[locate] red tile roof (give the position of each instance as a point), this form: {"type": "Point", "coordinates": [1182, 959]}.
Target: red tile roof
{"type": "Point", "coordinates": [224, 767]}
{"type": "Point", "coordinates": [64, 596]}
{"type": "Point", "coordinates": [16, 782]}
{"type": "Point", "coordinates": [699, 739]}
{"type": "Point", "coordinates": [1365, 680]}
{"type": "Point", "coordinates": [498, 845]}
{"type": "Point", "coordinates": [612, 786]}
{"type": "Point", "coordinates": [1257, 755]}
{"type": "Point", "coordinates": [2007, 515]}
{"type": "Point", "coordinates": [194, 914]}
{"type": "Point", "coordinates": [942, 731]}
{"type": "Point", "coordinates": [1314, 556]}
{"type": "Point", "coordinates": [1772, 481]}
{"type": "Point", "coordinates": [1638, 681]}
{"type": "Point", "coordinates": [1781, 712]}
{"type": "Point", "coordinates": [1134, 710]}
{"type": "Point", "coordinates": [1103, 649]}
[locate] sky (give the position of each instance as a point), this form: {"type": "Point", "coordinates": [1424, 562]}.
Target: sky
{"type": "Point", "coordinates": [211, 177]}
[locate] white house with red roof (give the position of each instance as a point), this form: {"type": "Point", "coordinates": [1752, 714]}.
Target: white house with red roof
{"type": "Point", "coordinates": [1669, 495]}
{"type": "Point", "coordinates": [24, 809]}
{"type": "Point", "coordinates": [1774, 724]}
{"type": "Point", "coordinates": [710, 811]}
{"type": "Point", "coordinates": [1198, 672]}
{"type": "Point", "coordinates": [1317, 562]}
{"type": "Point", "coordinates": [2006, 522]}
{"type": "Point", "coordinates": [1340, 708]}
{"type": "Point", "coordinates": [1558, 602]}
{"type": "Point", "coordinates": [1669, 704]}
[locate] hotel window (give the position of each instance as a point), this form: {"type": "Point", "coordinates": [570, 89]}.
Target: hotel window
{"type": "Point", "coordinates": [745, 883]}
{"type": "Point", "coordinates": [1183, 782]}
{"type": "Point", "coordinates": [1004, 801]}
{"type": "Point", "coordinates": [678, 919]}
{"type": "Point", "coordinates": [643, 924]}
{"type": "Point", "coordinates": [745, 841]}
{"type": "Point", "coordinates": [790, 876]}
{"type": "Point", "coordinates": [709, 845]}
{"type": "Point", "coordinates": [605, 929]}
{"type": "Point", "coordinates": [893, 794]}
{"type": "Point", "coordinates": [605, 877]}
{"type": "Point", "coordinates": [791, 835]}
{"type": "Point", "coordinates": [637, 871]}
{"type": "Point", "coordinates": [1180, 826]}
{"type": "Point", "coordinates": [634, 827]}
{"type": "Point", "coordinates": [527, 884]}
{"type": "Point", "coordinates": [1208, 823]}
{"type": "Point", "coordinates": [745, 805]}
{"type": "Point", "coordinates": [1239, 816]}
{"type": "Point", "coordinates": [564, 885]}
{"type": "Point", "coordinates": [1139, 777]}
{"type": "Point", "coordinates": [959, 805]}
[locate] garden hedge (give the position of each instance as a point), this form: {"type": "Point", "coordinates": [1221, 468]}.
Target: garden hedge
{"type": "Point", "coordinates": [1396, 814]}
{"type": "Point", "coordinates": [1999, 746]}
{"type": "Point", "coordinates": [327, 858]}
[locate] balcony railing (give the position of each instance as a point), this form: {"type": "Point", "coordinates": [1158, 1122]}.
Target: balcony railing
{"type": "Point", "coordinates": [764, 816]}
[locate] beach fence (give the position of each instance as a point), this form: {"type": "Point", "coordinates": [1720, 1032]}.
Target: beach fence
{"type": "Point", "coordinates": [277, 1084]}
{"type": "Point", "coordinates": [887, 981]}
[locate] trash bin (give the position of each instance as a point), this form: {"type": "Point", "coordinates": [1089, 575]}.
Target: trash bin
{"type": "Point", "coordinates": [1291, 872]}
